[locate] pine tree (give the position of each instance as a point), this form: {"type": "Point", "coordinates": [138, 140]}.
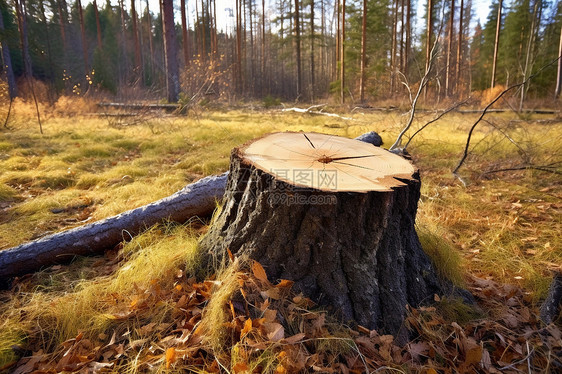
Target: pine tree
{"type": "Point", "coordinates": [6, 55]}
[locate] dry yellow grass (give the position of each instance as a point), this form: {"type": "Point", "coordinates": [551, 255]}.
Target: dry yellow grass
{"type": "Point", "coordinates": [504, 226]}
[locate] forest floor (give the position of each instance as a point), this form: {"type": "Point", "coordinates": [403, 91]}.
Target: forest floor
{"type": "Point", "coordinates": [139, 309]}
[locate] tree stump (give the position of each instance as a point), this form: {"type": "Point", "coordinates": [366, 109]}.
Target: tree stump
{"type": "Point", "coordinates": [334, 215]}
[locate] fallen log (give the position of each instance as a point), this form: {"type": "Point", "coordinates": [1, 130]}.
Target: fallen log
{"type": "Point", "coordinates": [139, 106]}
{"type": "Point", "coordinates": [316, 110]}
{"type": "Point", "coordinates": [196, 199]}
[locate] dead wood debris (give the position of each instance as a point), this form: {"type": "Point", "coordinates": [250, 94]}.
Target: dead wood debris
{"type": "Point", "coordinates": [270, 328]}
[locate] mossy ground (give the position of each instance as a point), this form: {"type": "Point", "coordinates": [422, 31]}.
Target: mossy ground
{"type": "Point", "coordinates": [503, 226]}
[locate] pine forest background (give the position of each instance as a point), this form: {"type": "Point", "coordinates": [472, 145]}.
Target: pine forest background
{"type": "Point", "coordinates": [370, 51]}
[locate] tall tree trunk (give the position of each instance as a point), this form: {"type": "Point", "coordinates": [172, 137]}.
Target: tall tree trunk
{"type": "Point", "coordinates": [7, 62]}
{"type": "Point", "coordinates": [62, 22]}
{"type": "Point", "coordinates": [184, 33]}
{"type": "Point", "coordinates": [402, 36]}
{"type": "Point", "coordinates": [263, 56]}
{"type": "Point", "coordinates": [214, 37]}
{"type": "Point", "coordinates": [363, 52]}
{"type": "Point", "coordinates": [298, 49]}
{"type": "Point", "coordinates": [337, 11]}
{"type": "Point", "coordinates": [52, 91]}
{"type": "Point", "coordinates": [252, 48]}
{"type": "Point", "coordinates": [496, 44]}
{"type": "Point", "coordinates": [459, 49]}
{"type": "Point", "coordinates": [98, 24]}
{"type": "Point", "coordinates": [323, 54]}
{"type": "Point", "coordinates": [393, 49]}
{"type": "Point", "coordinates": [408, 46]}
{"type": "Point", "coordinates": [239, 46]}
{"type": "Point", "coordinates": [428, 38]}
{"type": "Point", "coordinates": [149, 33]}
{"type": "Point", "coordinates": [170, 51]}
{"type": "Point", "coordinates": [83, 34]}
{"type": "Point", "coordinates": [342, 54]}
{"type": "Point", "coordinates": [559, 71]}
{"type": "Point", "coordinates": [530, 46]}
{"type": "Point", "coordinates": [124, 58]}
{"type": "Point", "coordinates": [203, 33]}
{"type": "Point", "coordinates": [138, 62]}
{"type": "Point", "coordinates": [449, 48]}
{"type": "Point", "coordinates": [24, 41]}
{"type": "Point", "coordinates": [282, 37]}
{"type": "Point", "coordinates": [312, 66]}
{"type": "Point", "coordinates": [21, 15]}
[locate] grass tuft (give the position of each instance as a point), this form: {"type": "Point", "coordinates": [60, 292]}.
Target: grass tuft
{"type": "Point", "coordinates": [455, 309]}
{"type": "Point", "coordinates": [64, 305]}
{"type": "Point", "coordinates": [216, 312]}
{"type": "Point", "coordinates": [7, 193]}
{"type": "Point", "coordinates": [444, 256]}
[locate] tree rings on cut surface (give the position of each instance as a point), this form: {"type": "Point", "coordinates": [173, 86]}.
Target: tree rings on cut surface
{"type": "Point", "coordinates": [357, 166]}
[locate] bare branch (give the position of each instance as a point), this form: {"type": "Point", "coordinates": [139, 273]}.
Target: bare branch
{"type": "Point", "coordinates": [490, 104]}
{"type": "Point", "coordinates": [8, 115]}
{"type": "Point", "coordinates": [511, 140]}
{"type": "Point", "coordinates": [423, 83]}
{"type": "Point", "coordinates": [443, 113]}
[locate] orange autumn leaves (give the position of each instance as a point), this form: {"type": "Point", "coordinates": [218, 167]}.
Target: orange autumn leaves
{"type": "Point", "coordinates": [268, 328]}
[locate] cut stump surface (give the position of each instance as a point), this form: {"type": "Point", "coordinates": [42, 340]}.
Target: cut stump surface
{"type": "Point", "coordinates": [334, 215]}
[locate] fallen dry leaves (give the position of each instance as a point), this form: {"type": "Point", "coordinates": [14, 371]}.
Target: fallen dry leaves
{"type": "Point", "coordinates": [272, 329]}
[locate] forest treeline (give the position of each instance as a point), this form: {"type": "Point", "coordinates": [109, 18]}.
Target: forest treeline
{"type": "Point", "coordinates": [306, 50]}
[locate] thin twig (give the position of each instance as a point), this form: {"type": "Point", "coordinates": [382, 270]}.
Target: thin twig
{"type": "Point", "coordinates": [446, 111]}
{"type": "Point", "coordinates": [31, 86]}
{"type": "Point", "coordinates": [8, 115]}
{"type": "Point", "coordinates": [490, 104]}
{"type": "Point", "coordinates": [510, 139]}
{"type": "Point", "coordinates": [512, 366]}
{"type": "Point", "coordinates": [526, 167]}
{"type": "Point", "coordinates": [424, 81]}
{"type": "Point", "coordinates": [528, 358]}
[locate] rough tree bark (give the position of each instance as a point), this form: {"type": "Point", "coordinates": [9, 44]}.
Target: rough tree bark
{"type": "Point", "coordinates": [348, 242]}
{"type": "Point", "coordinates": [197, 199]}
{"type": "Point", "coordinates": [552, 306]}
